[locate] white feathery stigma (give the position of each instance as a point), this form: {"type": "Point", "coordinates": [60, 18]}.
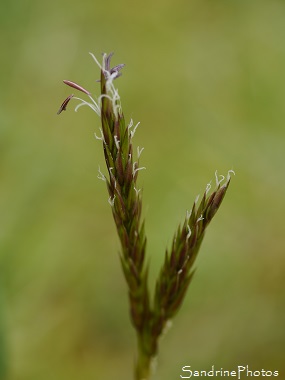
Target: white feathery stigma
{"type": "Point", "coordinates": [188, 214]}
{"type": "Point", "coordinates": [137, 169]}
{"type": "Point", "coordinates": [219, 181]}
{"type": "Point", "coordinates": [189, 232]}
{"type": "Point", "coordinates": [100, 137]}
{"type": "Point", "coordinates": [117, 142]}
{"type": "Point", "coordinates": [101, 175]}
{"type": "Point", "coordinates": [208, 188]}
{"type": "Point", "coordinates": [139, 151]}
{"type": "Point", "coordinates": [111, 200]}
{"type": "Point", "coordinates": [229, 175]}
{"type": "Point", "coordinates": [200, 218]}
{"type": "Point", "coordinates": [137, 191]}
{"type": "Point", "coordinates": [134, 130]}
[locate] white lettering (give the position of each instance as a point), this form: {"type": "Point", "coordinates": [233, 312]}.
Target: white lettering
{"type": "Point", "coordinates": [211, 373]}
{"type": "Point", "coordinates": [186, 368]}
{"type": "Point", "coordinates": [240, 369]}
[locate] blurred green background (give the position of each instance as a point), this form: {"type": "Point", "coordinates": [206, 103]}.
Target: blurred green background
{"type": "Point", "coordinates": [206, 80]}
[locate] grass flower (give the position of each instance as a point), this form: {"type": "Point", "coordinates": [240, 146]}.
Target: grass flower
{"type": "Point", "coordinates": [150, 319]}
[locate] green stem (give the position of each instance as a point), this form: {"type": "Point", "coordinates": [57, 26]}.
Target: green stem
{"type": "Point", "coordinates": [143, 370]}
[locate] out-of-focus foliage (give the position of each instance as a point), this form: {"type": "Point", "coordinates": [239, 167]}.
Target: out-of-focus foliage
{"type": "Point", "coordinates": [206, 79]}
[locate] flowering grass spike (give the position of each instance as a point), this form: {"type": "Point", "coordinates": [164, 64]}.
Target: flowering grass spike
{"type": "Point", "coordinates": [149, 319]}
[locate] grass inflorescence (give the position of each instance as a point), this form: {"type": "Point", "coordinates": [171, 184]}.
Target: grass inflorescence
{"type": "Point", "coordinates": [149, 318]}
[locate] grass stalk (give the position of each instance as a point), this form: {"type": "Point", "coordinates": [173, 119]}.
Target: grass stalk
{"type": "Point", "coordinates": [148, 318]}
{"type": "Point", "coordinates": [143, 365]}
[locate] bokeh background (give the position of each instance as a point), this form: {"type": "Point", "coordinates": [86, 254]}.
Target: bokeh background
{"type": "Point", "coordinates": [206, 80]}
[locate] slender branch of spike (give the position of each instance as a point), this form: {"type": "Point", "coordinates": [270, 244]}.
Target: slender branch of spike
{"type": "Point", "coordinates": [177, 270]}
{"type": "Point", "coordinates": [126, 200]}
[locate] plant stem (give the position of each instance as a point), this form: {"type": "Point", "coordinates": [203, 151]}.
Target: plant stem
{"type": "Point", "coordinates": [143, 368]}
